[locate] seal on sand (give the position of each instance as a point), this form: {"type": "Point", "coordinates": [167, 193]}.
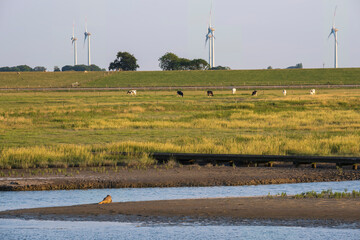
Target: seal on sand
{"type": "Point", "coordinates": [107, 199]}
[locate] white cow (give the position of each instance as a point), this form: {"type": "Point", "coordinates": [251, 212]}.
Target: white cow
{"type": "Point", "coordinates": [132, 92]}
{"type": "Point", "coordinates": [284, 92]}
{"type": "Point", "coordinates": [233, 90]}
{"type": "Point", "coordinates": [312, 92]}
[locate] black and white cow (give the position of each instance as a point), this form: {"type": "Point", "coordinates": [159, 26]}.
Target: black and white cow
{"type": "Point", "coordinates": [132, 92]}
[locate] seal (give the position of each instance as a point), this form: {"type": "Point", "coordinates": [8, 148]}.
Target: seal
{"type": "Point", "coordinates": [106, 200]}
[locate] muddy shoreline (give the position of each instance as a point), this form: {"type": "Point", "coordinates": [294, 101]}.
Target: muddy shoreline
{"type": "Point", "coordinates": [179, 176]}
{"type": "Point", "coordinates": [285, 210]}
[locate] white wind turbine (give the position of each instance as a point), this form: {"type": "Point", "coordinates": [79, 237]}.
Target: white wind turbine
{"type": "Point", "coordinates": [334, 31]}
{"type": "Point", "coordinates": [210, 36]}
{"type": "Point", "coordinates": [87, 35]}
{"type": "Point", "coordinates": [73, 41]}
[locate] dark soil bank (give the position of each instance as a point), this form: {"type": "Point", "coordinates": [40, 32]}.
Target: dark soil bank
{"type": "Point", "coordinates": [180, 176]}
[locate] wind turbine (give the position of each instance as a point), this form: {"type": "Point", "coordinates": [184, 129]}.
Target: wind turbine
{"type": "Point", "coordinates": [73, 41]}
{"type": "Point", "coordinates": [210, 36]}
{"type": "Point", "coordinates": [87, 35]}
{"type": "Point", "coordinates": [334, 31]}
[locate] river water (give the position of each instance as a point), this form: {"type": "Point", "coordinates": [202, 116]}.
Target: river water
{"type": "Point", "coordinates": [34, 229]}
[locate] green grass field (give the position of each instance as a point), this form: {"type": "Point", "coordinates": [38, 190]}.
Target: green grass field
{"type": "Point", "coordinates": [65, 128]}
{"type": "Point", "coordinates": [182, 78]}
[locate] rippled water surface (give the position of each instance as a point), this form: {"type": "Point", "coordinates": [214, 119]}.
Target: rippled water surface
{"type": "Point", "coordinates": [33, 229]}
{"type": "Point", "coordinates": [21, 229]}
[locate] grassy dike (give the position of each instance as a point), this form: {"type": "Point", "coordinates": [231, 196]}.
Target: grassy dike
{"type": "Point", "coordinates": [60, 129]}
{"type": "Point", "coordinates": [182, 78]}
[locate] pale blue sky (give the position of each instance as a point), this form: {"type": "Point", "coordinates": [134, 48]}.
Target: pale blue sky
{"type": "Point", "coordinates": [250, 34]}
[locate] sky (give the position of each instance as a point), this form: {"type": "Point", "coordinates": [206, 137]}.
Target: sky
{"type": "Point", "coordinates": [250, 34]}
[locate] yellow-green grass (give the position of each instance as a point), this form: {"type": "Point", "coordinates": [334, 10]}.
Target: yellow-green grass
{"type": "Point", "coordinates": [182, 78]}
{"type": "Point", "coordinates": [40, 129]}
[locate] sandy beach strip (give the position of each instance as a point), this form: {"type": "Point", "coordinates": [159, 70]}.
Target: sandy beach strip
{"type": "Point", "coordinates": [186, 176]}
{"type": "Point", "coordinates": [276, 208]}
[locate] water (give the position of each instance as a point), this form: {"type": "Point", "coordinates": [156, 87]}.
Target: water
{"type": "Point", "coordinates": [33, 199]}
{"type": "Point", "coordinates": [34, 229]}
{"type": "Point", "coordinates": [21, 229]}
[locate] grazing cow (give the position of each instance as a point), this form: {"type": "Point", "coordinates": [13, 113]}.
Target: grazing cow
{"type": "Point", "coordinates": [106, 200]}
{"type": "Point", "coordinates": [284, 92]}
{"type": "Point", "coordinates": [233, 90]}
{"type": "Point", "coordinates": [132, 92]}
{"type": "Point", "coordinates": [180, 93]}
{"type": "Point", "coordinates": [254, 93]}
{"type": "Point", "coordinates": [210, 93]}
{"type": "Point", "coordinates": [312, 92]}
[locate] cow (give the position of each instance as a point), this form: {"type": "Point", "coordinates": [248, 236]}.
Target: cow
{"type": "Point", "coordinates": [233, 90]}
{"type": "Point", "coordinates": [312, 92]}
{"type": "Point", "coordinates": [132, 92]}
{"type": "Point", "coordinates": [210, 93]}
{"type": "Point", "coordinates": [284, 92]}
{"type": "Point", "coordinates": [254, 93]}
{"type": "Point", "coordinates": [180, 93]}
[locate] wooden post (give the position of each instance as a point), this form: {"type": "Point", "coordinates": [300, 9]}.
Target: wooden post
{"type": "Point", "coordinates": [313, 165]}
{"type": "Point", "coordinates": [270, 164]}
{"type": "Point", "coordinates": [355, 166]}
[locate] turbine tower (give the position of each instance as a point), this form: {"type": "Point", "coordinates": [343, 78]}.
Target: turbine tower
{"type": "Point", "coordinates": [210, 36]}
{"type": "Point", "coordinates": [73, 41]}
{"type": "Point", "coordinates": [334, 31]}
{"type": "Point", "coordinates": [87, 35]}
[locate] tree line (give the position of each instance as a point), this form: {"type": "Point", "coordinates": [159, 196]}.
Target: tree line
{"type": "Point", "coordinates": [26, 68]}
{"type": "Point", "coordinates": [168, 62]}
{"type": "Point", "coordinates": [125, 61]}
{"type": "Point", "coordinates": [22, 68]}
{"type": "Point", "coordinates": [79, 68]}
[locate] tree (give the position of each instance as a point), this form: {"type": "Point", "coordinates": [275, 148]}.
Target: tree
{"type": "Point", "coordinates": [94, 68]}
{"type": "Point", "coordinates": [220, 68]}
{"type": "Point", "coordinates": [24, 68]}
{"type": "Point", "coordinates": [269, 67]}
{"type": "Point", "coordinates": [8, 69]}
{"type": "Point", "coordinates": [56, 69]}
{"type": "Point", "coordinates": [198, 64]}
{"type": "Point", "coordinates": [67, 68]}
{"type": "Point", "coordinates": [299, 65]}
{"type": "Point", "coordinates": [39, 69]}
{"type": "Point", "coordinates": [81, 68]}
{"type": "Point", "coordinates": [20, 68]}
{"type": "Point", "coordinates": [124, 61]}
{"type": "Point", "coordinates": [170, 62]}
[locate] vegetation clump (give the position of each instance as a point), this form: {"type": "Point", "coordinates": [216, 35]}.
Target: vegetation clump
{"type": "Point", "coordinates": [328, 194]}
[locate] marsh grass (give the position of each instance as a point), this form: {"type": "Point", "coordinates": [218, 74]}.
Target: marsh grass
{"type": "Point", "coordinates": [328, 194]}
{"type": "Point", "coordinates": [87, 129]}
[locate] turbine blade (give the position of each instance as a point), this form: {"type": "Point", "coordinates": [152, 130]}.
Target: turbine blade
{"type": "Point", "coordinates": [210, 13]}
{"type": "Point", "coordinates": [85, 24]}
{"type": "Point", "coordinates": [330, 33]}
{"type": "Point", "coordinates": [334, 16]}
